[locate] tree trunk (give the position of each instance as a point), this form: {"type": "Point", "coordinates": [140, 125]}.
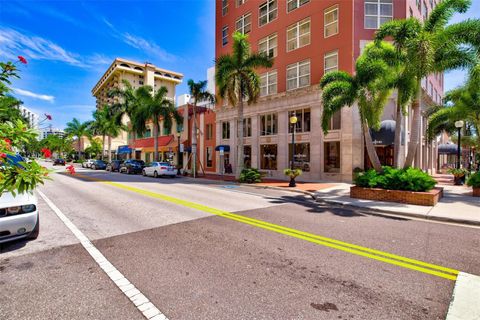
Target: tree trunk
{"type": "Point", "coordinates": [372, 153]}
{"type": "Point", "coordinates": [398, 135]}
{"type": "Point", "coordinates": [240, 155]}
{"type": "Point", "coordinates": [79, 146]}
{"type": "Point", "coordinates": [155, 139]}
{"type": "Point", "coordinates": [103, 147]}
{"type": "Point", "coordinates": [415, 132]}
{"type": "Point", "coordinates": [194, 140]}
{"type": "Point", "coordinates": [109, 149]}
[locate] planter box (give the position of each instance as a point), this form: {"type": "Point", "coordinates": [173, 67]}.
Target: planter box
{"type": "Point", "coordinates": [429, 198]}
{"type": "Point", "coordinates": [476, 192]}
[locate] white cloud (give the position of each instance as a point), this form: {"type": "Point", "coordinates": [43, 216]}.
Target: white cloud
{"type": "Point", "coordinates": [149, 47]}
{"type": "Point", "coordinates": [30, 94]}
{"type": "Point", "coordinates": [13, 43]}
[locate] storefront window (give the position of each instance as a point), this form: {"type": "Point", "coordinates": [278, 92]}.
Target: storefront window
{"type": "Point", "coordinates": [268, 124]}
{"type": "Point", "coordinates": [302, 156]}
{"type": "Point", "coordinates": [336, 121]}
{"type": "Point", "coordinates": [247, 127]}
{"type": "Point", "coordinates": [268, 153]}
{"type": "Point", "coordinates": [209, 157]}
{"type": "Point", "coordinates": [303, 120]}
{"type": "Point", "coordinates": [247, 156]}
{"type": "Point", "coordinates": [225, 130]}
{"type": "Point", "coordinates": [332, 156]}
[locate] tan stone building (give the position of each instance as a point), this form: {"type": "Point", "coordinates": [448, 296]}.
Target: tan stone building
{"type": "Point", "coordinates": [138, 74]}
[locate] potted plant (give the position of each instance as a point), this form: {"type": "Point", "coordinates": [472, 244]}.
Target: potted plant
{"type": "Point", "coordinates": [474, 182]}
{"type": "Point", "coordinates": [292, 173]}
{"type": "Point", "coordinates": [458, 175]}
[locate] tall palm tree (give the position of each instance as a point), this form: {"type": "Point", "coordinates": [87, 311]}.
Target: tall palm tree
{"type": "Point", "coordinates": [113, 128]}
{"type": "Point", "coordinates": [99, 123]}
{"type": "Point", "coordinates": [370, 88]}
{"type": "Point", "coordinates": [78, 129]}
{"type": "Point", "coordinates": [237, 81]}
{"type": "Point", "coordinates": [198, 91]}
{"type": "Point", "coordinates": [154, 107]}
{"type": "Point", "coordinates": [429, 47]}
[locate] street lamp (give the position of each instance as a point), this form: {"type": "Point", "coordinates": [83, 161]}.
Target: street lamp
{"type": "Point", "coordinates": [293, 121]}
{"type": "Point", "coordinates": [459, 126]}
{"type": "Point", "coordinates": [179, 134]}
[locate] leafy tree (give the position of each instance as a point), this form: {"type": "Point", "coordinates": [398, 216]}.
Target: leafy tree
{"type": "Point", "coordinates": [428, 47]}
{"type": "Point", "coordinates": [370, 88]}
{"type": "Point", "coordinates": [78, 129]}
{"type": "Point", "coordinates": [198, 92]}
{"type": "Point", "coordinates": [155, 106]}
{"type": "Point", "coordinates": [94, 149]}
{"type": "Point", "coordinates": [127, 104]}
{"type": "Point", "coordinates": [99, 125]}
{"type": "Point", "coordinates": [238, 81]}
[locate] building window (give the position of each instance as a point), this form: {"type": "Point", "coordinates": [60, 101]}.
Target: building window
{"type": "Point", "coordinates": [209, 155]}
{"type": "Point", "coordinates": [224, 7]}
{"type": "Point", "coordinates": [294, 4]}
{"type": "Point", "coordinates": [411, 13]}
{"type": "Point", "coordinates": [301, 159]}
{"type": "Point", "coordinates": [224, 35]}
{"type": "Point", "coordinates": [331, 21]}
{"type": "Point", "coordinates": [244, 23]}
{"type": "Point", "coordinates": [247, 156]}
{"type": "Point", "coordinates": [377, 12]}
{"type": "Point", "coordinates": [209, 132]}
{"type": "Point", "coordinates": [330, 61]}
{"type": "Point", "coordinates": [268, 124]}
{"type": "Point", "coordinates": [268, 45]}
{"type": "Point", "coordinates": [298, 35]}
{"type": "Point", "coordinates": [424, 11]}
{"type": "Point", "coordinates": [268, 83]}
{"type": "Point", "coordinates": [303, 120]}
{"type": "Point", "coordinates": [298, 75]}
{"type": "Point", "coordinates": [336, 121]}
{"type": "Point", "coordinates": [332, 157]}
{"type": "Point", "coordinates": [225, 130]}
{"type": "Point", "coordinates": [240, 2]}
{"type": "Point", "coordinates": [268, 155]}
{"type": "Point", "coordinates": [166, 131]}
{"type": "Point", "coordinates": [247, 127]}
{"type": "Point", "coordinates": [267, 12]}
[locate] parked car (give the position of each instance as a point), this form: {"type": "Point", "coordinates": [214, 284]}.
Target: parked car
{"type": "Point", "coordinates": [157, 169]}
{"type": "Point", "coordinates": [114, 165]}
{"type": "Point", "coordinates": [132, 166]}
{"type": "Point", "coordinates": [87, 163]}
{"type": "Point", "coordinates": [18, 217]}
{"type": "Point", "coordinates": [59, 162]}
{"type": "Point", "coordinates": [98, 165]}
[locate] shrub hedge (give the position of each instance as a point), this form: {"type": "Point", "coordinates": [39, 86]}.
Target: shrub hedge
{"type": "Point", "coordinates": [250, 175]}
{"type": "Point", "coordinates": [410, 179]}
{"type": "Point", "coordinates": [474, 180]}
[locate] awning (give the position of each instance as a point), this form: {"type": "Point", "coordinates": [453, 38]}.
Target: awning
{"type": "Point", "coordinates": [385, 136]}
{"type": "Point", "coordinates": [124, 150]}
{"type": "Point", "coordinates": [225, 147]}
{"type": "Point", "coordinates": [447, 148]}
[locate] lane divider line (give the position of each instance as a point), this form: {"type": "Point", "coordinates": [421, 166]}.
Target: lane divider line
{"type": "Point", "coordinates": [401, 261]}
{"type": "Point", "coordinates": [141, 302]}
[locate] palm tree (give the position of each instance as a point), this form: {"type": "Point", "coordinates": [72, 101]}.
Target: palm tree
{"type": "Point", "coordinates": [154, 107]}
{"type": "Point", "coordinates": [370, 88]}
{"type": "Point", "coordinates": [113, 128]}
{"type": "Point", "coordinates": [126, 106]}
{"type": "Point", "coordinates": [78, 129]}
{"type": "Point", "coordinates": [429, 47]}
{"type": "Point", "coordinates": [199, 93]}
{"type": "Point", "coordinates": [237, 81]}
{"type": "Point", "coordinates": [99, 123]}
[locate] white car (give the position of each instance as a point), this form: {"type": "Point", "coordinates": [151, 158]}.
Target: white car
{"type": "Point", "coordinates": [157, 169]}
{"type": "Point", "coordinates": [87, 163]}
{"type": "Point", "coordinates": [19, 216]}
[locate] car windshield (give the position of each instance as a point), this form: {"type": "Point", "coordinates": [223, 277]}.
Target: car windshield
{"type": "Point", "coordinates": [163, 164]}
{"type": "Point", "coordinates": [99, 162]}
{"type": "Point", "coordinates": [140, 162]}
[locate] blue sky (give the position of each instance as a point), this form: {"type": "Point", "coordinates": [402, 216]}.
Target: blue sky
{"type": "Point", "coordinates": [69, 44]}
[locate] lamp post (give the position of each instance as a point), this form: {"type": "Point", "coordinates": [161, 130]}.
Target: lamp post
{"type": "Point", "coordinates": [459, 126]}
{"type": "Point", "coordinates": [293, 120]}
{"type": "Point", "coordinates": [179, 134]}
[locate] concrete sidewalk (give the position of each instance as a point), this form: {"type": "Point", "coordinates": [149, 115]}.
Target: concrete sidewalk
{"type": "Point", "coordinates": [457, 204]}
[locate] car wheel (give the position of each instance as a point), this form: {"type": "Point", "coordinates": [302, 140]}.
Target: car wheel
{"type": "Point", "coordinates": [93, 168]}
{"type": "Point", "coordinates": [34, 234]}
{"type": "Point", "coordinates": [155, 174]}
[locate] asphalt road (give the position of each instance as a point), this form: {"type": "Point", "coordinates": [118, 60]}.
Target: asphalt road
{"type": "Point", "coordinates": [193, 264]}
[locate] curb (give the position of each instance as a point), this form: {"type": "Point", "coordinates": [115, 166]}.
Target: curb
{"type": "Point", "coordinates": [405, 214]}
{"type": "Point", "coordinates": [308, 193]}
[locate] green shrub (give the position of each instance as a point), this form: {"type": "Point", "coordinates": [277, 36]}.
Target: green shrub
{"type": "Point", "coordinates": [409, 179]}
{"type": "Point", "coordinates": [474, 180]}
{"type": "Point", "coordinates": [458, 172]}
{"type": "Point", "coordinates": [250, 175]}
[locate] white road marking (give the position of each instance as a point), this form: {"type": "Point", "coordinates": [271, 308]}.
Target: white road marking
{"type": "Point", "coordinates": [138, 299]}
{"type": "Point", "coordinates": [466, 294]}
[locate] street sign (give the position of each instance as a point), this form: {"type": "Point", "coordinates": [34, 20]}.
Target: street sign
{"type": "Point", "coordinates": [182, 148]}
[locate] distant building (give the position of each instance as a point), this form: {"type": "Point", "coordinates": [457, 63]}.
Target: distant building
{"type": "Point", "coordinates": [45, 132]}
{"type": "Point", "coordinates": [138, 74]}
{"type": "Point", "coordinates": [31, 117]}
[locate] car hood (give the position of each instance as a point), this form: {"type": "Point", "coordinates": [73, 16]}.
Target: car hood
{"type": "Point", "coordinates": [8, 200]}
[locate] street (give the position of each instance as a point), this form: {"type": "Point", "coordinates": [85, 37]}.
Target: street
{"type": "Point", "coordinates": [212, 250]}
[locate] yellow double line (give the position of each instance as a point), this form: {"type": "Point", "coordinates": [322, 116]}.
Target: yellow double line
{"type": "Point", "coordinates": [386, 257]}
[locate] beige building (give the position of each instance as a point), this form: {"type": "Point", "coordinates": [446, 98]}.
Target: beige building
{"type": "Point", "coordinates": [138, 74]}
